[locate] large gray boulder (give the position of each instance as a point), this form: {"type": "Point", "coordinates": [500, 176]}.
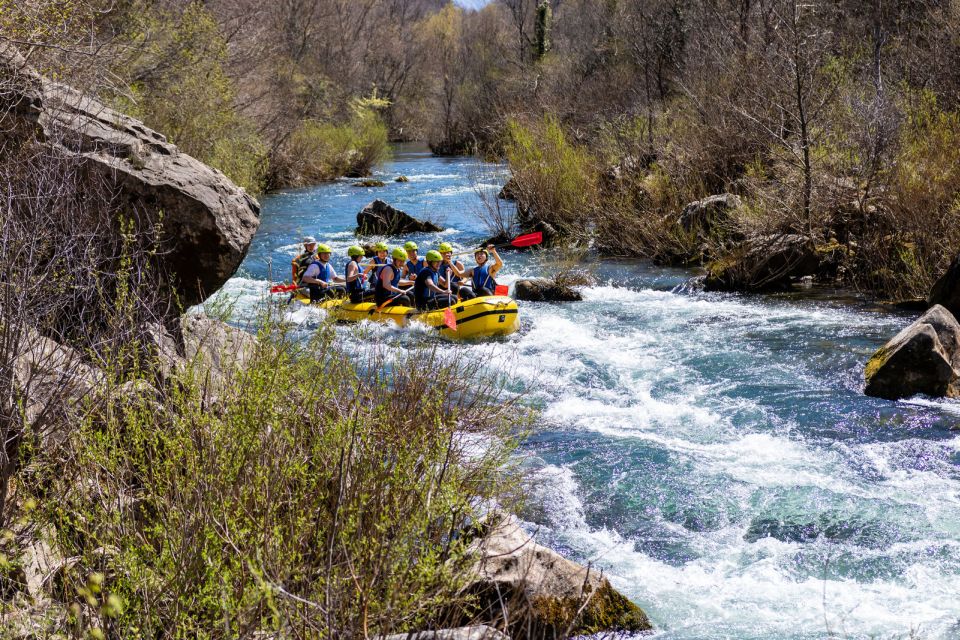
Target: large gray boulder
{"type": "Point", "coordinates": [704, 215]}
{"type": "Point", "coordinates": [544, 290]}
{"type": "Point", "coordinates": [923, 358]}
{"type": "Point", "coordinates": [763, 263]}
{"type": "Point", "coordinates": [379, 218]}
{"type": "Point", "coordinates": [946, 290]}
{"type": "Point", "coordinates": [208, 221]}
{"type": "Point", "coordinates": [539, 593]}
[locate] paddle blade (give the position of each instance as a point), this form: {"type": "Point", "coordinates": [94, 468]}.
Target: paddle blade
{"type": "Point", "coordinates": [283, 288]}
{"type": "Point", "coordinates": [527, 240]}
{"type": "Point", "coordinates": [450, 319]}
{"type": "Point", "coordinates": [502, 290]}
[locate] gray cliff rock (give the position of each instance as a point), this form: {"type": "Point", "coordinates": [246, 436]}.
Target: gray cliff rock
{"type": "Point", "coordinates": [208, 221]}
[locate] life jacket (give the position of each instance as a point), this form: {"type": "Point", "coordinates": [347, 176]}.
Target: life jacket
{"type": "Point", "coordinates": [444, 269]}
{"type": "Point", "coordinates": [375, 274]}
{"type": "Point", "coordinates": [381, 290]}
{"type": "Point", "coordinates": [421, 292]}
{"type": "Point", "coordinates": [301, 262]}
{"type": "Point", "coordinates": [414, 268]}
{"type": "Point", "coordinates": [326, 271]}
{"type": "Point", "coordinates": [355, 285]}
{"type": "Point", "coordinates": [482, 278]}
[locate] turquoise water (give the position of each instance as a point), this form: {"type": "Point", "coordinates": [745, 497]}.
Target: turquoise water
{"type": "Point", "coordinates": [712, 453]}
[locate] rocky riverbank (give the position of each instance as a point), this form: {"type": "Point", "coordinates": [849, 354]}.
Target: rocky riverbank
{"type": "Point", "coordinates": [146, 421]}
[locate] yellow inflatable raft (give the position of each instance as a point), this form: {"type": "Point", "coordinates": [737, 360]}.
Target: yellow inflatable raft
{"type": "Point", "coordinates": [484, 317]}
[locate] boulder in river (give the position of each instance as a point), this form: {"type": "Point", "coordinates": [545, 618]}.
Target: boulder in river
{"type": "Point", "coordinates": [369, 183]}
{"type": "Point", "coordinates": [923, 358]}
{"type": "Point", "coordinates": [539, 593]}
{"type": "Point", "coordinates": [763, 263]}
{"type": "Point", "coordinates": [379, 218]}
{"type": "Point", "coordinates": [208, 221]}
{"type": "Point", "coordinates": [704, 215]}
{"type": "Point", "coordinates": [544, 290]}
{"type": "Point", "coordinates": [946, 290]}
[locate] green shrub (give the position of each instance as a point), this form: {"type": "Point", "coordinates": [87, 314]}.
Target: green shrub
{"type": "Point", "coordinates": [319, 151]}
{"type": "Point", "coordinates": [180, 88]}
{"type": "Point", "coordinates": [308, 491]}
{"type": "Point", "coordinates": [556, 181]}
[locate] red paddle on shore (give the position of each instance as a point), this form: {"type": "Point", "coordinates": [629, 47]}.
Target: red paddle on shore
{"type": "Point", "coordinates": [527, 240]}
{"type": "Point", "coordinates": [520, 242]}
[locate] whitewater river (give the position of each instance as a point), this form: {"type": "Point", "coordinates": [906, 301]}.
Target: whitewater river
{"type": "Point", "coordinates": [712, 453]}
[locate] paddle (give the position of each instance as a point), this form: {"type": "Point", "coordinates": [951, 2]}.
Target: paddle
{"type": "Point", "coordinates": [520, 242]}
{"type": "Point", "coordinates": [387, 303]}
{"type": "Point", "coordinates": [284, 288]}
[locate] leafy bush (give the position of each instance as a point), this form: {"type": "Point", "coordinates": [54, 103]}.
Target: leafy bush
{"type": "Point", "coordinates": [914, 230]}
{"type": "Point", "coordinates": [556, 181]}
{"type": "Point", "coordinates": [319, 151]}
{"type": "Point", "coordinates": [308, 492]}
{"type": "Point", "coordinates": [180, 88]}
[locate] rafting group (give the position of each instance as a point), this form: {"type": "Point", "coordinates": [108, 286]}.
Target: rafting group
{"type": "Point", "coordinates": [400, 277]}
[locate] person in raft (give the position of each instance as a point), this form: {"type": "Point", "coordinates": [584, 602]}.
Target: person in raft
{"type": "Point", "coordinates": [414, 264]}
{"type": "Point", "coordinates": [387, 288]}
{"type": "Point", "coordinates": [321, 278]}
{"type": "Point", "coordinates": [482, 276]}
{"type": "Point", "coordinates": [427, 293]}
{"type": "Point", "coordinates": [300, 263]}
{"type": "Point", "coordinates": [376, 265]}
{"type": "Point", "coordinates": [353, 274]}
{"type": "Point", "coordinates": [448, 279]}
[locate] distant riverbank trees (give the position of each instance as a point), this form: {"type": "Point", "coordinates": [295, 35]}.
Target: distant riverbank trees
{"type": "Point", "coordinates": [830, 120]}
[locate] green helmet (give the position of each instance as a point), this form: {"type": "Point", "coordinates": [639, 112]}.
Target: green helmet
{"type": "Point", "coordinates": [381, 246]}
{"type": "Point", "coordinates": [434, 256]}
{"type": "Point", "coordinates": [399, 254]}
{"type": "Point", "coordinates": [410, 246]}
{"type": "Point", "coordinates": [354, 251]}
{"type": "Point", "coordinates": [481, 250]}
{"type": "Point", "coordinates": [445, 247]}
{"type": "Point", "coordinates": [322, 248]}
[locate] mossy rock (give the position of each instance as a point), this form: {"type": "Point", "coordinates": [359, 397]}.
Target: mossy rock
{"type": "Point", "coordinates": [401, 179]}
{"type": "Point", "coordinates": [370, 183]}
{"type": "Point", "coordinates": [607, 610]}
{"type": "Point", "coordinates": [922, 359]}
{"type": "Point", "coordinates": [533, 592]}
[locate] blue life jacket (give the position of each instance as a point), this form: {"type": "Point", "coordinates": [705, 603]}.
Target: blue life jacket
{"type": "Point", "coordinates": [415, 268]}
{"type": "Point", "coordinates": [445, 269]}
{"type": "Point", "coordinates": [356, 285]}
{"type": "Point", "coordinates": [481, 278]}
{"type": "Point", "coordinates": [395, 280]}
{"type": "Point", "coordinates": [421, 292]}
{"type": "Point", "coordinates": [375, 274]}
{"type": "Point", "coordinates": [326, 271]}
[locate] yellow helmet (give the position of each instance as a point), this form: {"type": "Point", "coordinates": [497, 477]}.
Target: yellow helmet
{"type": "Point", "coordinates": [411, 246]}
{"type": "Point", "coordinates": [381, 246]}
{"type": "Point", "coordinates": [322, 248]}
{"type": "Point", "coordinates": [399, 254]}
{"type": "Point", "coordinates": [434, 256]}
{"type": "Point", "coordinates": [445, 247]}
{"type": "Point", "coordinates": [354, 251]}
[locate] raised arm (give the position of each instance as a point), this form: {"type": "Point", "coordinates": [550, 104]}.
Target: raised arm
{"type": "Point", "coordinates": [497, 262]}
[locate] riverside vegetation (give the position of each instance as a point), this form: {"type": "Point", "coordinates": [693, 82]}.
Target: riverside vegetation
{"type": "Point", "coordinates": [834, 123]}
{"type": "Point", "coordinates": [166, 475]}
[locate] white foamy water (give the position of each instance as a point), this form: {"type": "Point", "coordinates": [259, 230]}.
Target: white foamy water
{"type": "Point", "coordinates": [712, 454]}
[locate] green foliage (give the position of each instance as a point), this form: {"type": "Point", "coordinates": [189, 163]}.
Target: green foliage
{"type": "Point", "coordinates": [180, 88]}
{"type": "Point", "coordinates": [319, 151]}
{"type": "Point", "coordinates": [305, 490]}
{"type": "Point", "coordinates": [555, 178]}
